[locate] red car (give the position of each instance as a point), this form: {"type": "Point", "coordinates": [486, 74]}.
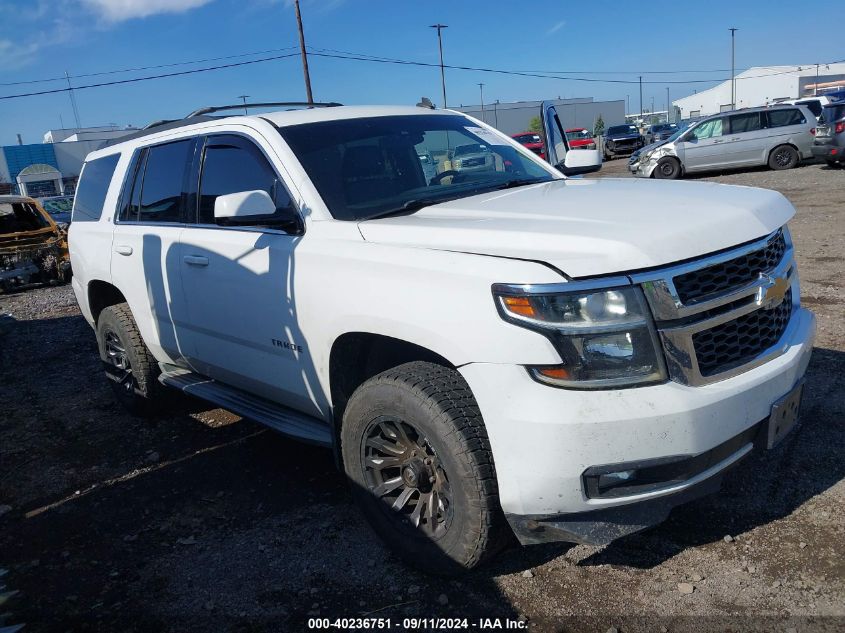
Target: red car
{"type": "Point", "coordinates": [579, 138]}
{"type": "Point", "coordinates": [532, 141]}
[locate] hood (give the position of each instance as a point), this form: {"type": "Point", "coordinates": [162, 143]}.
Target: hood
{"type": "Point", "coordinates": [591, 227]}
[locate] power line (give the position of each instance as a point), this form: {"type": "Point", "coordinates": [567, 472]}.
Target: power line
{"type": "Point", "coordinates": [149, 77]}
{"type": "Point", "coordinates": [140, 68]}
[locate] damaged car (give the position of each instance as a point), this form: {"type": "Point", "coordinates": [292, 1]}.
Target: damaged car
{"type": "Point", "coordinates": [33, 249]}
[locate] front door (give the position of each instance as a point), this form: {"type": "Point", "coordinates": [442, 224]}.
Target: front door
{"type": "Point", "coordinates": [239, 282]}
{"type": "Point", "coordinates": [702, 145]}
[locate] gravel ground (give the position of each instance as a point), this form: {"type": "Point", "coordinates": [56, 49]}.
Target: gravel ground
{"type": "Point", "coordinates": [201, 521]}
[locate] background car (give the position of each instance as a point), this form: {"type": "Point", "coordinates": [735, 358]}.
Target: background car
{"type": "Point", "coordinates": [622, 140]}
{"type": "Point", "coordinates": [829, 142]}
{"type": "Point", "coordinates": [473, 157]}
{"type": "Point", "coordinates": [59, 208]}
{"type": "Point", "coordinates": [779, 137]}
{"type": "Point", "coordinates": [659, 132]}
{"type": "Point", "coordinates": [580, 138]}
{"type": "Point", "coordinates": [429, 166]}
{"type": "Point", "coordinates": [532, 141]}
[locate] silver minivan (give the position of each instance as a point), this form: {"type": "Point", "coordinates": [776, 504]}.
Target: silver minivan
{"type": "Point", "coordinates": [779, 136]}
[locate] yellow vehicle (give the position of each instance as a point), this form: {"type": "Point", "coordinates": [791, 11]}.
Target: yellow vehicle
{"type": "Point", "coordinates": [33, 249]}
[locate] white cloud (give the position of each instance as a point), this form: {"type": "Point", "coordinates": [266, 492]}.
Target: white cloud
{"type": "Point", "coordinates": [18, 54]}
{"type": "Point", "coordinates": [557, 27]}
{"type": "Point", "coordinates": [120, 10]}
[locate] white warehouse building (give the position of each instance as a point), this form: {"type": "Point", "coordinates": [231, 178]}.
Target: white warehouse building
{"type": "Point", "coordinates": [764, 85]}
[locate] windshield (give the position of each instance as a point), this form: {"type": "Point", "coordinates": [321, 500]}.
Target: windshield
{"type": "Point", "coordinates": [623, 129]}
{"type": "Point", "coordinates": [20, 216]}
{"type": "Point", "coordinates": [574, 135]}
{"type": "Point", "coordinates": [369, 167]}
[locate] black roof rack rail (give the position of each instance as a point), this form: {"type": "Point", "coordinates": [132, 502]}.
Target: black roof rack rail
{"type": "Point", "coordinates": [158, 123]}
{"type": "Point", "coordinates": [269, 104]}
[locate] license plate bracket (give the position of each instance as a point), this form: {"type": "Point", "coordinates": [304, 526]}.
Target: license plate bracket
{"type": "Point", "coordinates": [784, 416]}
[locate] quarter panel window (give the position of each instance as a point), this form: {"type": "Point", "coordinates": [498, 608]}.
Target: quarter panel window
{"type": "Point", "coordinates": [233, 164]}
{"type": "Point", "coordinates": [93, 187]}
{"type": "Point", "coordinates": [164, 175]}
{"type": "Point", "coordinates": [784, 117]}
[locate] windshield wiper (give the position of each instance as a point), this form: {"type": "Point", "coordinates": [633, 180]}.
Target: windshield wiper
{"type": "Point", "coordinates": [414, 204]}
{"type": "Point", "coordinates": [520, 182]}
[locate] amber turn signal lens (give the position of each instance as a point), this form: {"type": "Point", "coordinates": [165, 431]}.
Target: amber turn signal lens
{"type": "Point", "coordinates": [559, 373]}
{"type": "Point", "coordinates": [519, 305]}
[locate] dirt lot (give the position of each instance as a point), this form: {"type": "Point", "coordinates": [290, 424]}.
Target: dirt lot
{"type": "Point", "coordinates": [201, 521]}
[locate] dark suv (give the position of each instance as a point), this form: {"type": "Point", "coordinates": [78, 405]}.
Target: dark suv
{"type": "Point", "coordinates": [622, 140]}
{"type": "Point", "coordinates": [829, 143]}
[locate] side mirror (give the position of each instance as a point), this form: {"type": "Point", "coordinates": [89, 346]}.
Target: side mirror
{"type": "Point", "coordinates": [244, 205]}
{"type": "Point", "coordinates": [581, 161]}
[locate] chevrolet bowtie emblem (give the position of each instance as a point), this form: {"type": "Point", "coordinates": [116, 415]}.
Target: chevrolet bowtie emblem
{"type": "Point", "coordinates": [772, 291]}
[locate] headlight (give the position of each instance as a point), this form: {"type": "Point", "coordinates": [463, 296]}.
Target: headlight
{"type": "Point", "coordinates": [456, 164]}
{"type": "Point", "coordinates": [605, 337]}
{"type": "Point", "coordinates": [646, 156]}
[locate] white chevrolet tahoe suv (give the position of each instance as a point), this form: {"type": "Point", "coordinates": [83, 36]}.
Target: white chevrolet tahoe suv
{"type": "Point", "coordinates": [492, 351]}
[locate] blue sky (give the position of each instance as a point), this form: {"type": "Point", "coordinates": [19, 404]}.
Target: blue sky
{"type": "Point", "coordinates": [44, 38]}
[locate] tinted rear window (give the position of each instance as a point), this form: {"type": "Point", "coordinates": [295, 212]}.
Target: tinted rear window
{"type": "Point", "coordinates": [833, 113]}
{"type": "Point", "coordinates": [93, 187]}
{"type": "Point", "coordinates": [782, 117]}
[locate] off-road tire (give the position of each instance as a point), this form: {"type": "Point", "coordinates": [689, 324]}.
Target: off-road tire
{"type": "Point", "coordinates": [146, 395]}
{"type": "Point", "coordinates": [783, 157]}
{"type": "Point", "coordinates": [668, 168]}
{"type": "Point", "coordinates": [437, 402]}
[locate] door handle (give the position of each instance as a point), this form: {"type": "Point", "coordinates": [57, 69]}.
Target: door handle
{"type": "Point", "coordinates": [123, 249]}
{"type": "Point", "coordinates": [718, 140]}
{"type": "Point", "coordinates": [195, 260]}
{"type": "Point", "coordinates": [736, 138]}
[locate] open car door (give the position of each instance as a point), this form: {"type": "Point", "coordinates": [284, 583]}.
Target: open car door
{"type": "Point", "coordinates": [558, 153]}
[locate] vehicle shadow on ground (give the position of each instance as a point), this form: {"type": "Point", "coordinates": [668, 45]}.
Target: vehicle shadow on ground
{"type": "Point", "coordinates": [192, 521]}
{"type": "Point", "coordinates": [767, 486]}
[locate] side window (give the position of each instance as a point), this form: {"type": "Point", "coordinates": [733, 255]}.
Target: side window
{"type": "Point", "coordinates": [749, 122]}
{"type": "Point", "coordinates": [130, 196]}
{"type": "Point", "coordinates": [232, 164]}
{"type": "Point", "coordinates": [164, 175]}
{"type": "Point", "coordinates": [93, 187]}
{"type": "Point", "coordinates": [709, 129]}
{"type": "Point", "coordinates": [785, 116]}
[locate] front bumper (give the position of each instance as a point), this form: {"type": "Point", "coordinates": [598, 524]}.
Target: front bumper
{"type": "Point", "coordinates": [544, 439]}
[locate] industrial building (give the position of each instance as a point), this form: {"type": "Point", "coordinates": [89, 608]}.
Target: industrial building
{"type": "Point", "coordinates": [515, 117]}
{"type": "Point", "coordinates": [764, 85]}
{"type": "Point", "coordinates": [52, 167]}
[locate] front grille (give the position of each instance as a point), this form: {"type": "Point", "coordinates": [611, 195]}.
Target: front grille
{"type": "Point", "coordinates": [731, 274]}
{"type": "Point", "coordinates": [740, 341]}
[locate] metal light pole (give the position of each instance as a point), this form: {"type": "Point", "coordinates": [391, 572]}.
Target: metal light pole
{"type": "Point", "coordinates": [733, 67]}
{"type": "Point", "coordinates": [243, 97]}
{"type": "Point", "coordinates": [668, 105]}
{"type": "Point", "coordinates": [439, 28]}
{"type": "Point", "coordinates": [303, 53]}
{"type": "Point", "coordinates": [627, 104]}
{"type": "Point", "coordinates": [496, 113]}
{"type": "Point", "coordinates": [641, 96]}
{"type": "Point", "coordinates": [816, 88]}
{"type": "Point", "coordinates": [481, 88]}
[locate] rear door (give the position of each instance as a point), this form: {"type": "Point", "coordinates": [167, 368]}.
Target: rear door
{"type": "Point", "coordinates": [747, 140]}
{"type": "Point", "coordinates": [146, 237]}
{"type": "Point", "coordinates": [788, 125]}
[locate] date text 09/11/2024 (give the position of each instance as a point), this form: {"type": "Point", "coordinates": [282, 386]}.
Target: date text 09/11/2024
{"type": "Point", "coordinates": [411, 624]}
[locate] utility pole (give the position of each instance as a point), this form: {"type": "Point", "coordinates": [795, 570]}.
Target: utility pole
{"type": "Point", "coordinates": [73, 101]}
{"type": "Point", "coordinates": [641, 96]}
{"type": "Point", "coordinates": [668, 105]}
{"type": "Point", "coordinates": [303, 53]}
{"type": "Point", "coordinates": [244, 100]}
{"type": "Point", "coordinates": [481, 88]}
{"type": "Point", "coordinates": [627, 104]}
{"type": "Point", "coordinates": [496, 113]}
{"type": "Point", "coordinates": [439, 28]}
{"type": "Point", "coordinates": [733, 67]}
{"type": "Point", "coordinates": [816, 88]}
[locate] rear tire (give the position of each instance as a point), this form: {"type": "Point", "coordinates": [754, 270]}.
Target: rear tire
{"type": "Point", "coordinates": [668, 168]}
{"type": "Point", "coordinates": [130, 367]}
{"type": "Point", "coordinates": [783, 157]}
{"type": "Point", "coordinates": [417, 455]}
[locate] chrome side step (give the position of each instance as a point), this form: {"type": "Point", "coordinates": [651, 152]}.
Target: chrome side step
{"type": "Point", "coordinates": [276, 416]}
